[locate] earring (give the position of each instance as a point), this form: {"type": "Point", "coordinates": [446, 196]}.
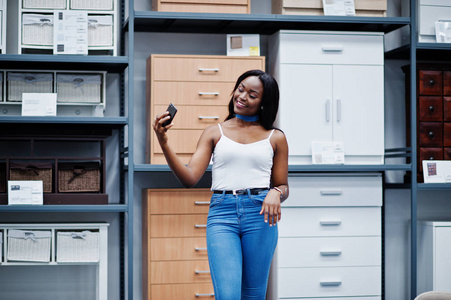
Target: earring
{"type": "Point", "coordinates": [261, 107]}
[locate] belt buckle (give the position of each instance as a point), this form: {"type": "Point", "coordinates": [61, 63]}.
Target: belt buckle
{"type": "Point", "coordinates": [237, 192]}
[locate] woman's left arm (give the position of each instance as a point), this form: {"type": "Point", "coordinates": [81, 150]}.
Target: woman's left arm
{"type": "Point", "coordinates": [271, 207]}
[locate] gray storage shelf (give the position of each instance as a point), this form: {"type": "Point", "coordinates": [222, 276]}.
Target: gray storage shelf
{"type": "Point", "coordinates": [113, 208]}
{"type": "Point", "coordinates": [110, 121]}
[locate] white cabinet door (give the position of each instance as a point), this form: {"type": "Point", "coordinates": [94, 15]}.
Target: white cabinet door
{"type": "Point", "coordinates": [359, 109]}
{"type": "Point", "coordinates": [442, 264]}
{"type": "Point", "coordinates": [305, 110]}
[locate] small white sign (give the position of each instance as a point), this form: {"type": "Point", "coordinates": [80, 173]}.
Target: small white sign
{"type": "Point", "coordinates": [443, 31]}
{"type": "Point", "coordinates": [327, 153]}
{"type": "Point", "coordinates": [437, 171]}
{"type": "Point", "coordinates": [25, 192]}
{"type": "Point", "coordinates": [339, 7]}
{"type": "Point", "coordinates": [39, 104]}
{"type": "Point", "coordinates": [243, 45]}
{"type": "Point", "coordinates": [70, 32]}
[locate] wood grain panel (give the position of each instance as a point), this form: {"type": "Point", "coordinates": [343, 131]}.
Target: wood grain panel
{"type": "Point", "coordinates": [183, 291]}
{"type": "Point", "coordinates": [178, 225]}
{"type": "Point", "coordinates": [179, 272]}
{"type": "Point", "coordinates": [178, 201]}
{"type": "Point", "coordinates": [178, 249]}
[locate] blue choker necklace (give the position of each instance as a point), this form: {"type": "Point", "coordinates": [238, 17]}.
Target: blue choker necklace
{"type": "Point", "coordinates": [247, 118]}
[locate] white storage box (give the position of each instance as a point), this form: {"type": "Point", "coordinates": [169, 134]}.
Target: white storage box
{"type": "Point", "coordinates": [430, 11]}
{"type": "Point", "coordinates": [100, 30]}
{"type": "Point", "coordinates": [79, 88]}
{"type": "Point", "coordinates": [37, 29]}
{"type": "Point", "coordinates": [19, 83]}
{"type": "Point", "coordinates": [30, 245]}
{"type": "Point", "coordinates": [92, 5]}
{"type": "Point", "coordinates": [77, 246]}
{"type": "Point", "coordinates": [45, 4]}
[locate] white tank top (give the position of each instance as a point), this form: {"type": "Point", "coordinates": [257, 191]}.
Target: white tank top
{"type": "Point", "coordinates": [241, 166]}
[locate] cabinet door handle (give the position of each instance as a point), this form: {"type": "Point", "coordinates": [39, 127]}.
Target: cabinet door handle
{"type": "Point", "coordinates": [431, 108]}
{"type": "Point", "coordinates": [208, 69]}
{"type": "Point", "coordinates": [202, 202]}
{"type": "Point", "coordinates": [202, 272]}
{"type": "Point", "coordinates": [209, 117]}
{"type": "Point", "coordinates": [205, 295]}
{"type": "Point", "coordinates": [200, 226]}
{"type": "Point", "coordinates": [330, 222]}
{"type": "Point", "coordinates": [200, 249]}
{"type": "Point", "coordinates": [208, 93]}
{"type": "Point", "coordinates": [431, 134]}
{"type": "Point", "coordinates": [338, 110]}
{"type": "Point", "coordinates": [327, 110]}
{"type": "Point", "coordinates": [330, 283]}
{"type": "Point", "coordinates": [330, 253]}
{"type": "Point", "coordinates": [332, 193]}
{"type": "Point", "coordinates": [332, 49]}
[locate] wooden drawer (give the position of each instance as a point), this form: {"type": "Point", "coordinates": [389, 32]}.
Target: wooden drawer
{"type": "Point", "coordinates": [183, 291]}
{"type": "Point", "coordinates": [334, 221]}
{"type": "Point", "coordinates": [178, 225]}
{"type": "Point", "coordinates": [158, 158]}
{"type": "Point", "coordinates": [329, 252]}
{"type": "Point", "coordinates": [320, 190]}
{"type": "Point", "coordinates": [196, 117]}
{"type": "Point", "coordinates": [191, 93]}
{"type": "Point", "coordinates": [430, 82]}
{"type": "Point", "coordinates": [431, 109]}
{"type": "Point", "coordinates": [447, 153]}
{"type": "Point", "coordinates": [427, 153]}
{"type": "Point", "coordinates": [202, 68]}
{"type": "Point", "coordinates": [446, 108]}
{"type": "Point", "coordinates": [331, 48]}
{"type": "Point", "coordinates": [447, 83]}
{"type": "Point", "coordinates": [203, 6]}
{"type": "Point", "coordinates": [168, 272]}
{"type": "Point", "coordinates": [447, 134]}
{"type": "Point", "coordinates": [178, 249]}
{"type": "Point", "coordinates": [329, 282]}
{"type": "Point", "coordinates": [182, 141]}
{"type": "Point", "coordinates": [177, 201]}
{"type": "Point", "coordinates": [431, 134]}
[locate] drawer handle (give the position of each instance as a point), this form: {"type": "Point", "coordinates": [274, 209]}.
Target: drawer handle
{"type": "Point", "coordinates": [202, 202]}
{"type": "Point", "coordinates": [338, 110]}
{"type": "Point", "coordinates": [431, 158]}
{"type": "Point", "coordinates": [208, 70]}
{"type": "Point", "coordinates": [202, 272]}
{"type": "Point", "coordinates": [330, 283]}
{"type": "Point", "coordinates": [431, 82]}
{"type": "Point", "coordinates": [205, 295]}
{"type": "Point", "coordinates": [208, 93]}
{"type": "Point", "coordinates": [200, 226]}
{"type": "Point", "coordinates": [431, 134]}
{"type": "Point", "coordinates": [333, 49]}
{"type": "Point", "coordinates": [431, 108]}
{"type": "Point", "coordinates": [209, 117]}
{"type": "Point", "coordinates": [330, 253]}
{"type": "Point", "coordinates": [200, 249]}
{"type": "Point", "coordinates": [328, 110]}
{"type": "Point", "coordinates": [332, 193]}
{"type": "Point", "coordinates": [330, 223]}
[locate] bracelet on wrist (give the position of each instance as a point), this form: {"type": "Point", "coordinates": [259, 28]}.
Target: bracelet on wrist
{"type": "Point", "coordinates": [279, 190]}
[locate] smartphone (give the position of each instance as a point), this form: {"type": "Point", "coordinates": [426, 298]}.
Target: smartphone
{"type": "Point", "coordinates": [172, 111]}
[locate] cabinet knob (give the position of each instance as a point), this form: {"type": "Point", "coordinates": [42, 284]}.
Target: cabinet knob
{"type": "Point", "coordinates": [431, 82]}
{"type": "Point", "coordinates": [431, 158]}
{"type": "Point", "coordinates": [431, 108]}
{"type": "Point", "coordinates": [431, 134]}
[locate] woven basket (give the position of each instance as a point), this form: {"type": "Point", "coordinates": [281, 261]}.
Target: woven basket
{"type": "Point", "coordinates": [100, 31]}
{"type": "Point", "coordinates": [37, 30]}
{"type": "Point", "coordinates": [45, 4]}
{"type": "Point", "coordinates": [30, 245]}
{"type": "Point", "coordinates": [77, 246]}
{"type": "Point", "coordinates": [79, 177]}
{"type": "Point", "coordinates": [82, 88]}
{"type": "Point", "coordinates": [32, 171]}
{"type": "Point", "coordinates": [1, 85]}
{"type": "Point", "coordinates": [92, 5]}
{"type": "Point", "coordinates": [19, 83]}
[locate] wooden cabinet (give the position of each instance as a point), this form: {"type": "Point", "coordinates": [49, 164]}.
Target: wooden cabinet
{"type": "Point", "coordinates": [330, 238]}
{"type": "Point", "coordinates": [175, 260]}
{"type": "Point", "coordinates": [331, 89]}
{"type": "Point", "coordinates": [433, 113]}
{"type": "Point", "coordinates": [200, 87]}
{"type": "Point", "coordinates": [203, 6]}
{"type": "Point", "coordinates": [434, 257]}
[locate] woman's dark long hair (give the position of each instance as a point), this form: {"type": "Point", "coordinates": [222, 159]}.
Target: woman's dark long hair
{"type": "Point", "coordinates": [270, 98]}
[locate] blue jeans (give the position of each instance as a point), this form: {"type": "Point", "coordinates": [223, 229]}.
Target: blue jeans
{"type": "Point", "coordinates": [240, 246]}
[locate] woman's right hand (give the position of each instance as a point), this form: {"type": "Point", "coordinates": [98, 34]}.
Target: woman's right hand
{"type": "Point", "coordinates": [159, 129]}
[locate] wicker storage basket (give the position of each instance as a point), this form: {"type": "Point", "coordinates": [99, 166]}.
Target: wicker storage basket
{"type": "Point", "coordinates": [2, 177]}
{"type": "Point", "coordinates": [19, 83]}
{"type": "Point", "coordinates": [1, 86]}
{"type": "Point", "coordinates": [45, 4]}
{"type": "Point", "coordinates": [77, 246]}
{"type": "Point", "coordinates": [30, 245]}
{"type": "Point", "coordinates": [32, 171]}
{"type": "Point", "coordinates": [37, 29]}
{"type": "Point", "coordinates": [79, 177]}
{"type": "Point", "coordinates": [92, 5]}
{"type": "Point", "coordinates": [100, 31]}
{"type": "Point", "coordinates": [1, 247]}
{"type": "Point", "coordinates": [80, 88]}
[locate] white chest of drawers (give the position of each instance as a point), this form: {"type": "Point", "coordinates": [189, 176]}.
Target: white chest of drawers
{"type": "Point", "coordinates": [330, 239]}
